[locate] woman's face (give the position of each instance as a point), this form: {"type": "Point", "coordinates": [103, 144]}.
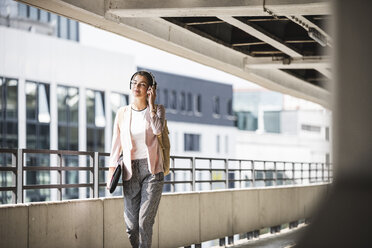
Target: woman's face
{"type": "Point", "coordinates": [139, 86]}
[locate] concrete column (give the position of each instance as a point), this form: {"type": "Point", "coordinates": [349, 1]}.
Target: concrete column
{"type": "Point", "coordinates": [353, 89]}
{"type": "Point", "coordinates": [21, 113]}
{"type": "Point", "coordinates": [53, 137]}
{"type": "Point", "coordinates": [82, 138]}
{"type": "Point", "coordinates": [345, 217]}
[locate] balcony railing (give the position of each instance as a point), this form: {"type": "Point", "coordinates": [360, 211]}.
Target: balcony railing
{"type": "Point", "coordinates": [187, 173]}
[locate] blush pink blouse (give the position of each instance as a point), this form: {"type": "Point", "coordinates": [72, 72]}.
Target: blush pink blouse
{"type": "Point", "coordinates": [122, 140]}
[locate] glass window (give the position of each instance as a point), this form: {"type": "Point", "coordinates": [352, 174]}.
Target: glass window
{"type": "Point", "coordinates": [54, 22]}
{"type": "Point", "coordinates": [198, 103]}
{"type": "Point", "coordinates": [246, 121]}
{"type": "Point", "coordinates": [117, 100]}
{"type": "Point", "coordinates": [11, 98]}
{"type": "Point", "coordinates": [272, 121]}
{"type": "Point", "coordinates": [191, 142]}
{"type": "Point", "coordinates": [96, 120]}
{"type": "Point", "coordinates": [165, 98]}
{"type": "Point", "coordinates": [44, 16]}
{"type": "Point", "coordinates": [327, 133]}
{"type": "Point", "coordinates": [73, 29]}
{"type": "Point", "coordinates": [216, 105]}
{"type": "Point", "coordinates": [310, 128]}
{"type": "Point", "coordinates": [183, 101]}
{"type": "Point", "coordinates": [22, 10]}
{"type": "Point", "coordinates": [218, 144]}
{"type": "Point", "coordinates": [229, 107]}
{"type": "Point", "coordinates": [43, 104]}
{"type": "Point", "coordinates": [31, 100]}
{"type": "Point", "coordinates": [189, 102]}
{"type": "Point", "coordinates": [63, 27]}
{"type": "Point", "coordinates": [173, 100]}
{"type": "Point", "coordinates": [100, 119]}
{"type": "Point", "coordinates": [8, 113]}
{"type": "Point", "coordinates": [33, 13]}
{"type": "Point", "coordinates": [68, 117]}
{"type": "Point", "coordinates": [1, 98]}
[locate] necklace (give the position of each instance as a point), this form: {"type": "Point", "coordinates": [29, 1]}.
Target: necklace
{"type": "Point", "coordinates": [138, 109]}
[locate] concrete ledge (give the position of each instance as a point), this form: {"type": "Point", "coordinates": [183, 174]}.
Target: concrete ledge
{"type": "Point", "coordinates": [66, 224]}
{"type": "Point", "coordinates": [13, 226]}
{"type": "Point", "coordinates": [183, 218]}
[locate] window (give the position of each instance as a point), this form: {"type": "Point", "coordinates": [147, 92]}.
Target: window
{"type": "Point", "coordinates": [63, 27]}
{"type": "Point", "coordinates": [37, 136]}
{"type": "Point", "coordinates": [117, 100]}
{"type": "Point", "coordinates": [68, 118]}
{"type": "Point", "coordinates": [173, 101]}
{"type": "Point", "coordinates": [198, 103]}
{"type": "Point", "coordinates": [38, 116]}
{"type": "Point", "coordinates": [183, 101]}
{"type": "Point", "coordinates": [22, 10]}
{"type": "Point", "coordinates": [191, 142]}
{"type": "Point", "coordinates": [8, 114]}
{"type": "Point", "coordinates": [68, 133]}
{"type": "Point", "coordinates": [44, 16]}
{"type": "Point", "coordinates": [246, 121]}
{"type": "Point", "coordinates": [272, 121]}
{"type": "Point", "coordinates": [96, 121]}
{"type": "Point", "coordinates": [165, 98]}
{"type": "Point", "coordinates": [229, 107]}
{"type": "Point", "coordinates": [216, 105]}
{"type": "Point", "coordinates": [189, 102]}
{"type": "Point", "coordinates": [327, 133]}
{"type": "Point", "coordinates": [33, 13]}
{"type": "Point", "coordinates": [218, 144]}
{"type": "Point", "coordinates": [73, 30]}
{"type": "Point", "coordinates": [310, 128]}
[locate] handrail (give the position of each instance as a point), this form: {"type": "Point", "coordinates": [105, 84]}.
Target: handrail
{"type": "Point", "coordinates": [246, 173]}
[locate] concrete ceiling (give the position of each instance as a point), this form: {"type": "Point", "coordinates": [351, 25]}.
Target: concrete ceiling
{"type": "Point", "coordinates": [283, 45]}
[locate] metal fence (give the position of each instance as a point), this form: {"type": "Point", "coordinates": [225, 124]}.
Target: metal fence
{"type": "Point", "coordinates": [186, 173]}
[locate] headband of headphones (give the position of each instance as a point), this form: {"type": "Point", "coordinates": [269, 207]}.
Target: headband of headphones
{"type": "Point", "coordinates": [148, 74]}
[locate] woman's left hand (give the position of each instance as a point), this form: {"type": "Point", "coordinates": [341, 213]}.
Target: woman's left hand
{"type": "Point", "coordinates": [151, 92]}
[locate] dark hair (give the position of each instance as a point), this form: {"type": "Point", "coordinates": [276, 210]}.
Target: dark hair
{"type": "Point", "coordinates": [148, 75]}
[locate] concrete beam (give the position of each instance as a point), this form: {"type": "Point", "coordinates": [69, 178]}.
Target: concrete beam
{"type": "Point", "coordinates": [269, 63]}
{"type": "Point", "coordinates": [172, 8]}
{"type": "Point", "coordinates": [261, 35]}
{"type": "Point", "coordinates": [302, 21]}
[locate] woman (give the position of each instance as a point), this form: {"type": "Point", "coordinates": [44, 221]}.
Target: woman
{"type": "Point", "coordinates": [135, 135]}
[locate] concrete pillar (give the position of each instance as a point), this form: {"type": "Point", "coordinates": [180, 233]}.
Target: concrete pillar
{"type": "Point", "coordinates": [53, 137]}
{"type": "Point", "coordinates": [82, 138]}
{"type": "Point", "coordinates": [345, 217]}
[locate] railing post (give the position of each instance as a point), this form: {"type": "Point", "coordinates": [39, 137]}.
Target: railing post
{"type": "Point", "coordinates": [173, 176]}
{"type": "Point", "coordinates": [193, 174]}
{"type": "Point", "coordinates": [275, 174]}
{"type": "Point", "coordinates": [227, 173]}
{"type": "Point", "coordinates": [293, 174]}
{"type": "Point", "coordinates": [19, 184]}
{"type": "Point", "coordinates": [14, 177]}
{"type": "Point", "coordinates": [302, 173]}
{"type": "Point", "coordinates": [95, 176]}
{"type": "Point", "coordinates": [309, 173]}
{"type": "Point", "coordinates": [322, 172]}
{"type": "Point", "coordinates": [240, 174]}
{"type": "Point", "coordinates": [210, 174]}
{"type": "Point", "coordinates": [253, 174]}
{"type": "Point", "coordinates": [59, 195]}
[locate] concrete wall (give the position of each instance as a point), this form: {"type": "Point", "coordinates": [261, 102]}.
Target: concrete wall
{"type": "Point", "coordinates": [182, 219]}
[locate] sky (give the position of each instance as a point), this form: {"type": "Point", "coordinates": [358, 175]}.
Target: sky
{"type": "Point", "coordinates": [153, 58]}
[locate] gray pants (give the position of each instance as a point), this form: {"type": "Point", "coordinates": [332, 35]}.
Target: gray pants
{"type": "Point", "coordinates": [142, 195]}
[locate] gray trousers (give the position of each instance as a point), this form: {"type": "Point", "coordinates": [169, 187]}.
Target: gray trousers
{"type": "Point", "coordinates": [142, 195]}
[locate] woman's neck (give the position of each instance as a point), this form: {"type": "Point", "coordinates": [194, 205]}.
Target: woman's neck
{"type": "Point", "coordinates": [139, 104]}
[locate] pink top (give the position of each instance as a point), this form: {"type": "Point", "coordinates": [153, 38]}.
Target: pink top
{"type": "Point", "coordinates": [122, 140]}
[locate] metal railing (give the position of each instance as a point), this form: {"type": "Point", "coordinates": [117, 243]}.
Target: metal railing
{"type": "Point", "coordinates": [186, 173]}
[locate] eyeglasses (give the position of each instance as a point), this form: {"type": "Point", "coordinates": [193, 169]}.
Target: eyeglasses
{"type": "Point", "coordinates": [139, 85]}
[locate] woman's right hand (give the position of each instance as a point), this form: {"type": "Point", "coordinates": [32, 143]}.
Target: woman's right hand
{"type": "Point", "coordinates": [109, 176]}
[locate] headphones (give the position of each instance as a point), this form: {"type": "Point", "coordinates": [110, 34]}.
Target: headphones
{"type": "Point", "coordinates": [148, 76]}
